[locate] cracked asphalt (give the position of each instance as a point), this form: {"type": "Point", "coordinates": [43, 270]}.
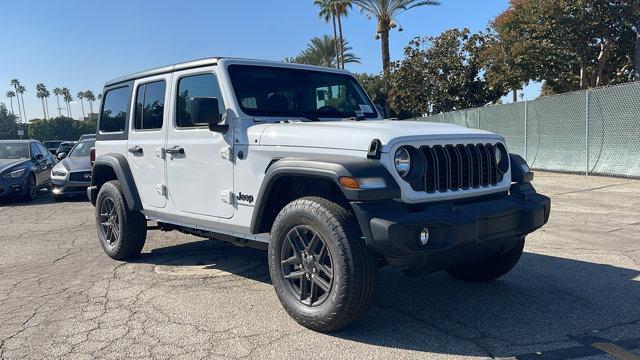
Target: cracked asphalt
{"type": "Point", "coordinates": [578, 284]}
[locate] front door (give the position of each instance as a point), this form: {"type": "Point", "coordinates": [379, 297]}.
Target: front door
{"type": "Point", "coordinates": [147, 137]}
{"type": "Point", "coordinates": [198, 175]}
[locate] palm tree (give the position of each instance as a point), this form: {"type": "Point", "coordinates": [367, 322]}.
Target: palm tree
{"type": "Point", "coordinates": [321, 51]}
{"type": "Point", "coordinates": [90, 96]}
{"type": "Point", "coordinates": [327, 12]}
{"type": "Point", "coordinates": [41, 91]}
{"type": "Point", "coordinates": [57, 92]}
{"type": "Point", "coordinates": [80, 96]}
{"type": "Point", "coordinates": [11, 95]}
{"type": "Point", "coordinates": [341, 8]}
{"type": "Point", "coordinates": [66, 96]}
{"type": "Point", "coordinates": [46, 95]}
{"type": "Point", "coordinates": [15, 83]}
{"type": "Point", "coordinates": [385, 12]}
{"type": "Point", "coordinates": [20, 90]}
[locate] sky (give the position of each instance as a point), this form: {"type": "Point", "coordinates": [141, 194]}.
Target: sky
{"type": "Point", "coordinates": [82, 44]}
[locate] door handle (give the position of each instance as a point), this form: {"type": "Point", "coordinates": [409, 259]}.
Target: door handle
{"type": "Point", "coordinates": [135, 150]}
{"type": "Point", "coordinates": [176, 150]}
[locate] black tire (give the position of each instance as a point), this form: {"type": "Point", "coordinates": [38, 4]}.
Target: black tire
{"type": "Point", "coordinates": [31, 190]}
{"type": "Point", "coordinates": [121, 232]}
{"type": "Point", "coordinates": [489, 268]}
{"type": "Point", "coordinates": [352, 265]}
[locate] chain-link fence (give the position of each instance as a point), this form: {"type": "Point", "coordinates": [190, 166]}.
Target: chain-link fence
{"type": "Point", "coordinates": [592, 131]}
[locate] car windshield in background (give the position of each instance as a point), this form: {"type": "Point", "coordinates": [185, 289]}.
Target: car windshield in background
{"type": "Point", "coordinates": [14, 151]}
{"type": "Point", "coordinates": [279, 91]}
{"type": "Point", "coordinates": [83, 149]}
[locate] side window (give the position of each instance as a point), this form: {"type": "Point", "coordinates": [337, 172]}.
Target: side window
{"type": "Point", "coordinates": [149, 106]}
{"type": "Point", "coordinates": [34, 150]}
{"type": "Point", "coordinates": [203, 85]}
{"type": "Point", "coordinates": [41, 149]}
{"type": "Point", "coordinates": [115, 109]}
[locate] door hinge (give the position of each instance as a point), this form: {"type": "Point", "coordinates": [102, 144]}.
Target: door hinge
{"type": "Point", "coordinates": [227, 196]}
{"type": "Point", "coordinates": [226, 153]}
{"type": "Point", "coordinates": [161, 152]}
{"type": "Point", "coordinates": [161, 189]}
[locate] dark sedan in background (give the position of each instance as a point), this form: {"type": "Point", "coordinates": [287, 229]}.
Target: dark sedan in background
{"type": "Point", "coordinates": [64, 149]}
{"type": "Point", "coordinates": [72, 175]}
{"type": "Point", "coordinates": [52, 145]}
{"type": "Point", "coordinates": [25, 167]}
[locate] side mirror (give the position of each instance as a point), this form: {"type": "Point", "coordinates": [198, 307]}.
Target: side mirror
{"type": "Point", "coordinates": [39, 156]}
{"type": "Point", "coordinates": [204, 110]}
{"type": "Point", "coordinates": [62, 155]}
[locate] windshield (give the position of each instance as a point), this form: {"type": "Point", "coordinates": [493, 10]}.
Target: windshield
{"type": "Point", "coordinates": [51, 144]}
{"type": "Point", "coordinates": [83, 149]}
{"type": "Point", "coordinates": [14, 151]}
{"type": "Point", "coordinates": [276, 91]}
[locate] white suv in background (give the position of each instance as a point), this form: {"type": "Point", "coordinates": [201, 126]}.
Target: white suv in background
{"type": "Point", "coordinates": [297, 160]}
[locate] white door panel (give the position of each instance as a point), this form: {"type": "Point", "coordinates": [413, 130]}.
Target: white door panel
{"type": "Point", "coordinates": [147, 136]}
{"type": "Point", "coordinates": [198, 175]}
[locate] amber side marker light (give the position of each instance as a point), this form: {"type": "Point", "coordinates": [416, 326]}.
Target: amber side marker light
{"type": "Point", "coordinates": [349, 182]}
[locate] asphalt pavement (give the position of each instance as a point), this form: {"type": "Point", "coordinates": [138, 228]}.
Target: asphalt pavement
{"type": "Point", "coordinates": [575, 292]}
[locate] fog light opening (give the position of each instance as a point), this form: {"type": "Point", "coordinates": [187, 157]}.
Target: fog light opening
{"type": "Point", "coordinates": [423, 237]}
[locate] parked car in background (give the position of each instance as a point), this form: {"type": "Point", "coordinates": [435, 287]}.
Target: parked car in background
{"type": "Point", "coordinates": [87, 136]}
{"type": "Point", "coordinates": [72, 175]}
{"type": "Point", "coordinates": [64, 149]}
{"type": "Point", "coordinates": [25, 167]}
{"type": "Point", "coordinates": [52, 145]}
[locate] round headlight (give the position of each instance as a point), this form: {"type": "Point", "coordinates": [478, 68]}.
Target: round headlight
{"type": "Point", "coordinates": [402, 161]}
{"type": "Point", "coordinates": [498, 154]}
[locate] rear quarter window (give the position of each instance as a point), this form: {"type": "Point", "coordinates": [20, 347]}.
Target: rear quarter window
{"type": "Point", "coordinates": [115, 110]}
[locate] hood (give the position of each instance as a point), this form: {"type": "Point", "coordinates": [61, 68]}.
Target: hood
{"type": "Point", "coordinates": [6, 164]}
{"type": "Point", "coordinates": [357, 135]}
{"type": "Point", "coordinates": [76, 164]}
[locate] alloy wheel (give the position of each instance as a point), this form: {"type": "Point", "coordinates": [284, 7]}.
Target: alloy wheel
{"type": "Point", "coordinates": [109, 221]}
{"type": "Point", "coordinates": [307, 265]}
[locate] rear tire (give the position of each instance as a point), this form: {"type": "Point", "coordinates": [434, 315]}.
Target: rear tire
{"type": "Point", "coordinates": [489, 268]}
{"type": "Point", "coordinates": [121, 232]}
{"type": "Point", "coordinates": [330, 273]}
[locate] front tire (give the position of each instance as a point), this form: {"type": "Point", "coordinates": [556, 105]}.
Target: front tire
{"type": "Point", "coordinates": [31, 190]}
{"type": "Point", "coordinates": [320, 266]}
{"type": "Point", "coordinates": [121, 232]}
{"type": "Point", "coordinates": [489, 268]}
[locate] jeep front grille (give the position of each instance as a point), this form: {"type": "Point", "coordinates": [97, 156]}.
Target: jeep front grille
{"type": "Point", "coordinates": [458, 167]}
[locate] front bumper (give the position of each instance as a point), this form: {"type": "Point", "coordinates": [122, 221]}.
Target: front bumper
{"type": "Point", "coordinates": [63, 187]}
{"type": "Point", "coordinates": [459, 232]}
{"type": "Point", "coordinates": [12, 187]}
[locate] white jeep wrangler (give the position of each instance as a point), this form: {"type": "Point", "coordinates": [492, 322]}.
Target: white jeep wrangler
{"type": "Point", "coordinates": [297, 160]}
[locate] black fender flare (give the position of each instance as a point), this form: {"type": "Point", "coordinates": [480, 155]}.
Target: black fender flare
{"type": "Point", "coordinates": [120, 166]}
{"type": "Point", "coordinates": [328, 169]}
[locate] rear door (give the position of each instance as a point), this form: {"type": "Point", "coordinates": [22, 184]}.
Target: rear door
{"type": "Point", "coordinates": [197, 173]}
{"type": "Point", "coordinates": [147, 136]}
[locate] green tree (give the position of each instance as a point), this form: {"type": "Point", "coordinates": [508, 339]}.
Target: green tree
{"type": "Point", "coordinates": [373, 84]}
{"type": "Point", "coordinates": [20, 90]}
{"type": "Point", "coordinates": [385, 13]}
{"type": "Point", "coordinates": [91, 97]}
{"type": "Point", "coordinates": [570, 44]}
{"type": "Point", "coordinates": [80, 96]}
{"type": "Point", "coordinates": [8, 123]}
{"type": "Point", "coordinates": [60, 128]}
{"type": "Point", "coordinates": [16, 83]}
{"type": "Point", "coordinates": [41, 93]}
{"type": "Point", "coordinates": [11, 95]}
{"type": "Point", "coordinates": [442, 73]}
{"type": "Point", "coordinates": [327, 13]}
{"type": "Point", "coordinates": [321, 51]}
{"type": "Point", "coordinates": [57, 92]}
{"type": "Point", "coordinates": [66, 96]}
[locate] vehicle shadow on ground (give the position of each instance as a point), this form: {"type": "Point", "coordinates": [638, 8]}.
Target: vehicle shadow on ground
{"type": "Point", "coordinates": [543, 302]}
{"type": "Point", "coordinates": [44, 197]}
{"type": "Point", "coordinates": [209, 257]}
